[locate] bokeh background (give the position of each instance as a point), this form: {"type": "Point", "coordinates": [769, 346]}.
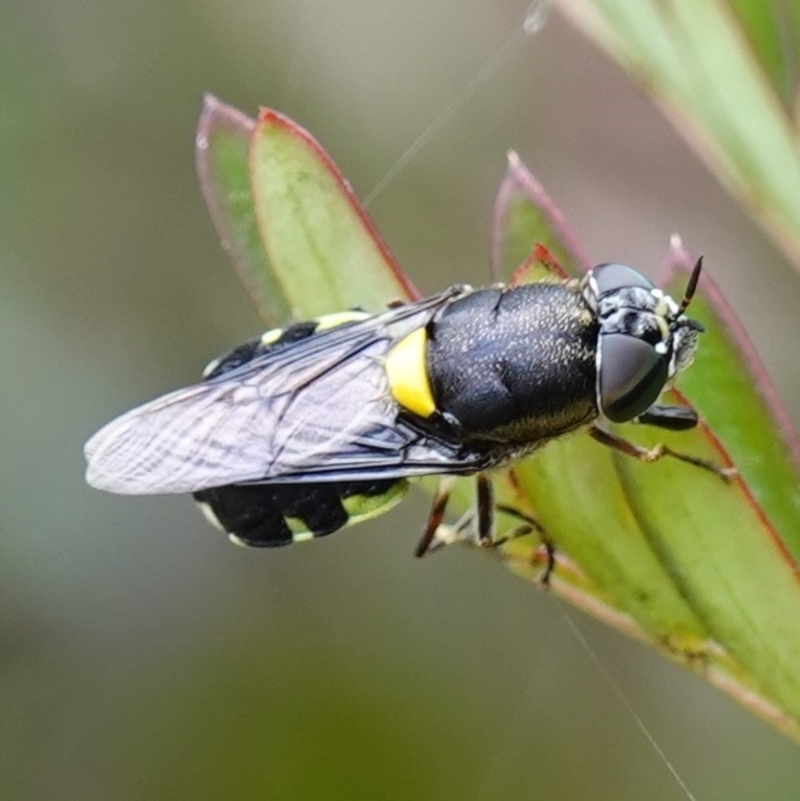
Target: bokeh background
{"type": "Point", "coordinates": [142, 656]}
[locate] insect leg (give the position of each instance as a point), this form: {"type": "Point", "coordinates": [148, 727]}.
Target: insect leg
{"type": "Point", "coordinates": [656, 452]}
{"type": "Point", "coordinates": [476, 525]}
{"type": "Point", "coordinates": [672, 418]}
{"type": "Point", "coordinates": [435, 516]}
{"type": "Point", "coordinates": [485, 510]}
{"type": "Point", "coordinates": [529, 525]}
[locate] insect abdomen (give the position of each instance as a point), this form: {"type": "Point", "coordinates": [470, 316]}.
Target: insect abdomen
{"type": "Point", "coordinates": [272, 515]}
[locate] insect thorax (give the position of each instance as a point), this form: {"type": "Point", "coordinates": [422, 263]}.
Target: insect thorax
{"type": "Point", "coordinates": [516, 365]}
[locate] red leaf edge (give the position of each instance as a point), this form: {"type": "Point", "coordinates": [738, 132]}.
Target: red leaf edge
{"type": "Point", "coordinates": [519, 178]}
{"type": "Point", "coordinates": [679, 261]}
{"type": "Point", "coordinates": [270, 117]}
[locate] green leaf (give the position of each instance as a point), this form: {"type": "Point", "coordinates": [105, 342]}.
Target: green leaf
{"type": "Point", "coordinates": [323, 249]}
{"type": "Point", "coordinates": [773, 31]}
{"type": "Point", "coordinates": [525, 216]}
{"type": "Point", "coordinates": [222, 146]}
{"type": "Point", "coordinates": [732, 391]}
{"type": "Point", "coordinates": [701, 569]}
{"type": "Point", "coordinates": [298, 237]}
{"type": "Point", "coordinates": [726, 562]}
{"type": "Point", "coordinates": [725, 75]}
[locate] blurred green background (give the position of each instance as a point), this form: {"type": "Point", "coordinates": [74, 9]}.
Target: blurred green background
{"type": "Point", "coordinates": [142, 656]}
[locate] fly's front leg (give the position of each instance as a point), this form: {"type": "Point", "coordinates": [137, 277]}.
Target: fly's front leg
{"type": "Point", "coordinates": [671, 418]}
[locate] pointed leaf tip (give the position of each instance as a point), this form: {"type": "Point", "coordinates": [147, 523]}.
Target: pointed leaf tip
{"type": "Point", "coordinates": [513, 160]}
{"type": "Point", "coordinates": [316, 232]}
{"type": "Point", "coordinates": [525, 215]}
{"type": "Point", "coordinates": [221, 147]}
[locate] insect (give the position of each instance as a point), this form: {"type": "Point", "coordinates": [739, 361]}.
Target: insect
{"type": "Point", "coordinates": [321, 424]}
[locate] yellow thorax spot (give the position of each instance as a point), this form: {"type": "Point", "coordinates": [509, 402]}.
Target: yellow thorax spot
{"type": "Point", "coordinates": [406, 368]}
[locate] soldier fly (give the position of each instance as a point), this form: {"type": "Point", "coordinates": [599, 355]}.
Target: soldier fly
{"type": "Point", "coordinates": [313, 427]}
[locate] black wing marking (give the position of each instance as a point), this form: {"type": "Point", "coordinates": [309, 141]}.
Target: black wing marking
{"type": "Point", "coordinates": [318, 410]}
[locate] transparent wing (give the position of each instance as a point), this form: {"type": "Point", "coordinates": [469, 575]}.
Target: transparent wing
{"type": "Point", "coordinates": [317, 410]}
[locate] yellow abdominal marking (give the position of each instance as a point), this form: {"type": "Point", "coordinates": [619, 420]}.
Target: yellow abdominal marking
{"type": "Point", "coordinates": [406, 369]}
{"type": "Point", "coordinates": [328, 321]}
{"type": "Point", "coordinates": [272, 336]}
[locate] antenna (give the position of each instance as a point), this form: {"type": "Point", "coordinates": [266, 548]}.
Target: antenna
{"type": "Point", "coordinates": [691, 287]}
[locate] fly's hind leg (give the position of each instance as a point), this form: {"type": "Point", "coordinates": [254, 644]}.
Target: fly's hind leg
{"type": "Point", "coordinates": [528, 525]}
{"type": "Point", "coordinates": [432, 538]}
{"type": "Point", "coordinates": [476, 525]}
{"type": "Point", "coordinates": [484, 511]}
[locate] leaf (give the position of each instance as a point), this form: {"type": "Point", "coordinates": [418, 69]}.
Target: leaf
{"type": "Point", "coordinates": [681, 558]}
{"type": "Point", "coordinates": [731, 389]}
{"type": "Point", "coordinates": [524, 216]}
{"type": "Point", "coordinates": [773, 31]}
{"type": "Point", "coordinates": [725, 75]}
{"type": "Point", "coordinates": [261, 177]}
{"type": "Point", "coordinates": [323, 249]}
{"type": "Point", "coordinates": [222, 146]}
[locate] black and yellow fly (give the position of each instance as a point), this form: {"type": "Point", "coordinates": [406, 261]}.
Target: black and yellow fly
{"type": "Point", "coordinates": [319, 425]}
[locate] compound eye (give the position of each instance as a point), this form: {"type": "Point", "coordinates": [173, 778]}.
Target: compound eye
{"type": "Point", "coordinates": [632, 376]}
{"type": "Point", "coordinates": [612, 277]}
